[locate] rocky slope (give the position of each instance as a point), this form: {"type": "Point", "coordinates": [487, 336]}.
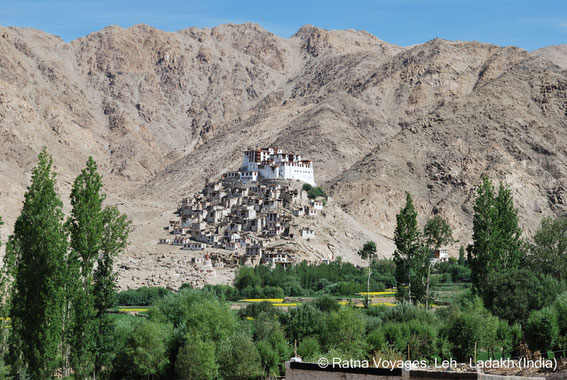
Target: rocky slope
{"type": "Point", "coordinates": [162, 111]}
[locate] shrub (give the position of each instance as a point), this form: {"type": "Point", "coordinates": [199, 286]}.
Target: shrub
{"type": "Point", "coordinates": [512, 295]}
{"type": "Point", "coordinates": [542, 329]}
{"type": "Point", "coordinates": [223, 292]}
{"type": "Point", "coordinates": [255, 309]}
{"type": "Point", "coordinates": [327, 304]}
{"type": "Point", "coordinates": [196, 360]}
{"type": "Point", "coordinates": [345, 330]}
{"type": "Point", "coordinates": [238, 358]}
{"type": "Point", "coordinates": [303, 321]}
{"type": "Point", "coordinates": [309, 349]}
{"type": "Point", "coordinates": [376, 340]}
{"type": "Point", "coordinates": [197, 313]}
{"type": "Point", "coordinates": [143, 296]}
{"type": "Point", "coordinates": [146, 350]}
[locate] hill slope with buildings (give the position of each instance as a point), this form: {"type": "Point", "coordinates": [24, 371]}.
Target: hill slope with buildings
{"type": "Point", "coordinates": [163, 112]}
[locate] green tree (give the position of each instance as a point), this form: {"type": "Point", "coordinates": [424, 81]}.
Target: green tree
{"type": "Point", "coordinates": [344, 331]}
{"type": "Point", "coordinates": [496, 235]}
{"type": "Point", "coordinates": [147, 349]}
{"type": "Point", "coordinates": [272, 346]}
{"type": "Point", "coordinates": [368, 252]}
{"type": "Point", "coordinates": [7, 273]}
{"type": "Point", "coordinates": [542, 330]}
{"type": "Point", "coordinates": [436, 233]}
{"type": "Point", "coordinates": [547, 253]}
{"type": "Point", "coordinates": [196, 360]}
{"type": "Point", "coordinates": [238, 358]}
{"type": "Point", "coordinates": [86, 227]}
{"type": "Point", "coordinates": [409, 254]}
{"type": "Point", "coordinates": [39, 245]}
{"type": "Point", "coordinates": [246, 278]}
{"type": "Point", "coordinates": [309, 349]}
{"type": "Point", "coordinates": [461, 255]}
{"type": "Point", "coordinates": [303, 321]}
{"type": "Point", "coordinates": [468, 322]}
{"type": "Point", "coordinates": [513, 295]}
{"type": "Point", "coordinates": [116, 229]}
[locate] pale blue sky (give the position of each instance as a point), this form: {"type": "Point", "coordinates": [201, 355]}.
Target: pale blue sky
{"type": "Point", "coordinates": [523, 23]}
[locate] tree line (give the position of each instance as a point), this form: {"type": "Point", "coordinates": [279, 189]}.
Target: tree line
{"type": "Point", "coordinates": [57, 279]}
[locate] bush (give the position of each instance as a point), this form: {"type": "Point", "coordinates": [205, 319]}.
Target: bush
{"type": "Point", "coordinates": [272, 346]}
{"type": "Point", "coordinates": [273, 292]}
{"type": "Point", "coordinates": [143, 296]}
{"type": "Point", "coordinates": [198, 313]}
{"type": "Point", "coordinates": [345, 330]}
{"type": "Point", "coordinates": [302, 322]}
{"type": "Point", "coordinates": [512, 295]}
{"type": "Point", "coordinates": [238, 358]}
{"type": "Point", "coordinates": [542, 330]}
{"type": "Point", "coordinates": [255, 309]}
{"type": "Point", "coordinates": [560, 306]}
{"type": "Point", "coordinates": [309, 349]}
{"type": "Point", "coordinates": [327, 304]}
{"type": "Point", "coordinates": [196, 360]}
{"type": "Point", "coordinates": [147, 349]}
{"type": "Point", "coordinates": [376, 340]}
{"type": "Point", "coordinates": [223, 292]}
{"type": "Point", "coordinates": [469, 322]}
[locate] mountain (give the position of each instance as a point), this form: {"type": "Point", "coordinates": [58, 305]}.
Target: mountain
{"type": "Point", "coordinates": [555, 53]}
{"type": "Point", "coordinates": [161, 112]}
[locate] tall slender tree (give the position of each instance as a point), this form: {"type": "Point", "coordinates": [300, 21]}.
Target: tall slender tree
{"type": "Point", "coordinates": [368, 251]}
{"type": "Point", "coordinates": [116, 229]}
{"type": "Point", "coordinates": [86, 227]}
{"type": "Point", "coordinates": [407, 255]}
{"type": "Point", "coordinates": [7, 273]}
{"type": "Point", "coordinates": [496, 235]}
{"type": "Point", "coordinates": [39, 245]}
{"type": "Point", "coordinates": [436, 233]}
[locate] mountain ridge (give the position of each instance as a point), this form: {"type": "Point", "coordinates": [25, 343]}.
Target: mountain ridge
{"type": "Point", "coordinates": [162, 111]}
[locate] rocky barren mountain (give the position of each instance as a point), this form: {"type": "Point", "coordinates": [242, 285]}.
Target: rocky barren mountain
{"type": "Point", "coordinates": [163, 111]}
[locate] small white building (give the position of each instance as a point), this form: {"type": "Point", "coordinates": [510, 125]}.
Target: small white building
{"type": "Point", "coordinates": [194, 246]}
{"type": "Point", "coordinates": [179, 240]}
{"type": "Point", "coordinates": [317, 205]}
{"type": "Point", "coordinates": [297, 212]}
{"type": "Point", "coordinates": [307, 233]}
{"type": "Point", "coordinates": [178, 230]}
{"type": "Point", "coordinates": [164, 241]}
{"type": "Point", "coordinates": [440, 255]}
{"type": "Point", "coordinates": [310, 211]}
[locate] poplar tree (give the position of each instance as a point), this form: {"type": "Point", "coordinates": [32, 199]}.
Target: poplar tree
{"type": "Point", "coordinates": [436, 233]}
{"type": "Point", "coordinates": [116, 229]}
{"type": "Point", "coordinates": [86, 227]}
{"type": "Point", "coordinates": [408, 254]}
{"type": "Point", "coordinates": [484, 233]}
{"type": "Point", "coordinates": [39, 245]}
{"type": "Point", "coordinates": [368, 251]}
{"type": "Point", "coordinates": [497, 244]}
{"type": "Point", "coordinates": [7, 272]}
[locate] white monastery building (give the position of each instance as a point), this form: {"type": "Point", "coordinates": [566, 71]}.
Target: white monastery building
{"type": "Point", "coordinates": [274, 163]}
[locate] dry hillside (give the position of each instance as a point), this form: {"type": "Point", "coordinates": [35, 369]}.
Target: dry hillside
{"type": "Point", "coordinates": [162, 111]}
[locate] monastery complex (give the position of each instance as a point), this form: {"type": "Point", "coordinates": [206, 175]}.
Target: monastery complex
{"type": "Point", "coordinates": [237, 220]}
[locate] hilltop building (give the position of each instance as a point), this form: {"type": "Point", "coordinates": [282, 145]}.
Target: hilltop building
{"type": "Point", "coordinates": [273, 163]}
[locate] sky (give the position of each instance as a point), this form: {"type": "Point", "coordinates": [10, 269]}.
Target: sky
{"type": "Point", "coordinates": [527, 24]}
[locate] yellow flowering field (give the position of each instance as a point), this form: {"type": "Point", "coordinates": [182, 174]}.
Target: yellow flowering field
{"type": "Point", "coordinates": [133, 310]}
{"type": "Point", "coordinates": [386, 292]}
{"type": "Point", "coordinates": [272, 300]}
